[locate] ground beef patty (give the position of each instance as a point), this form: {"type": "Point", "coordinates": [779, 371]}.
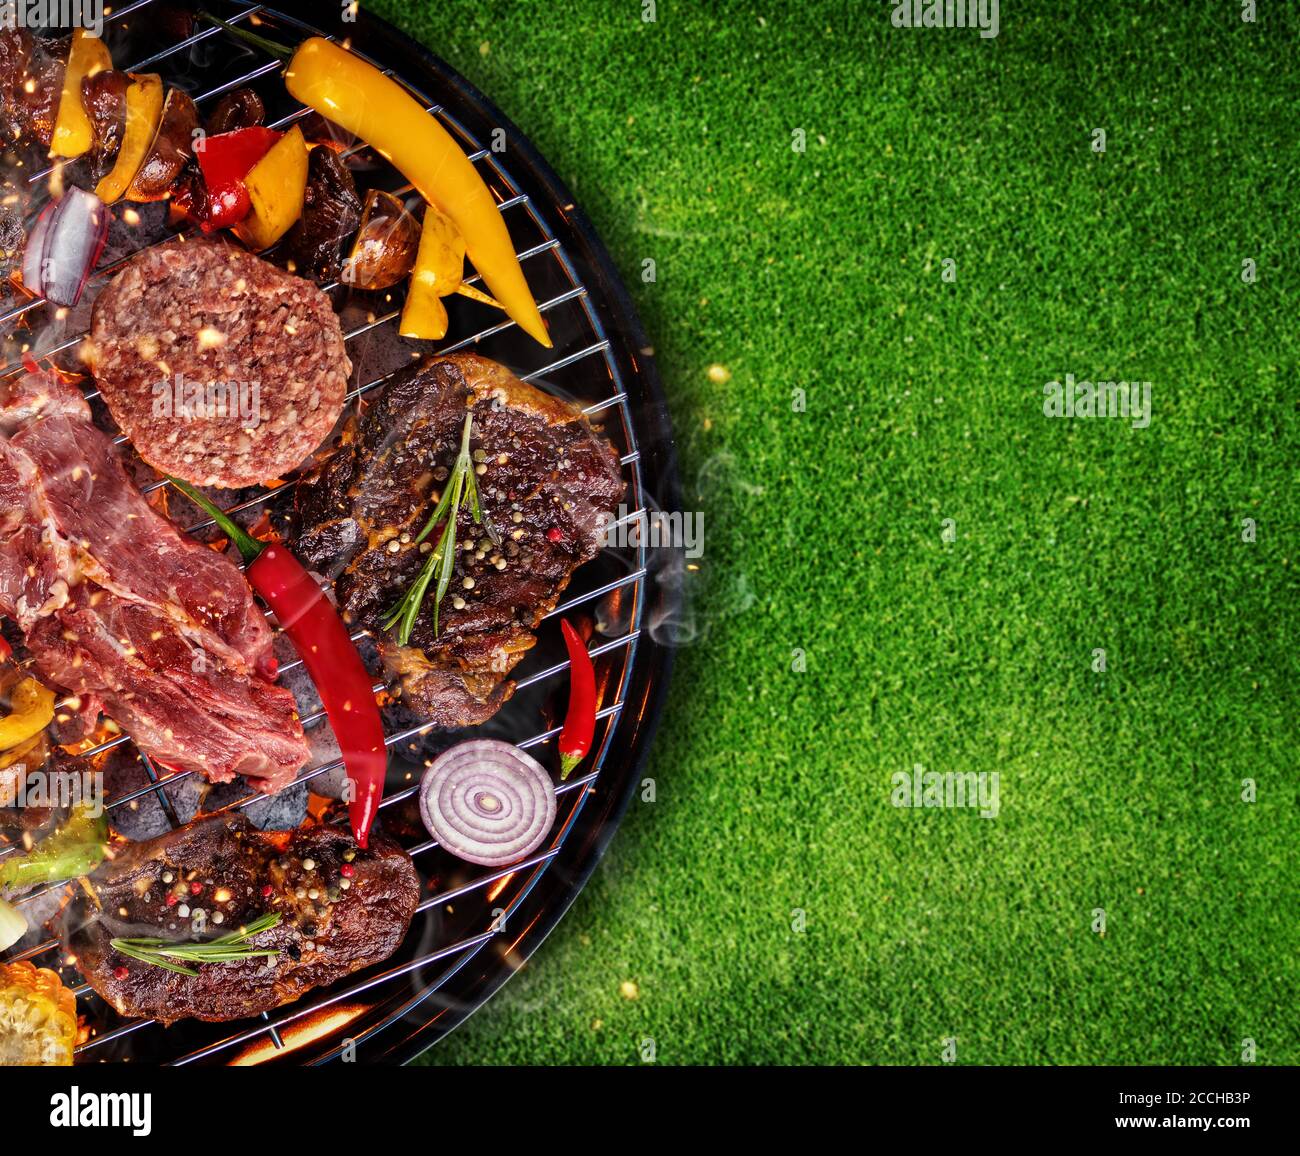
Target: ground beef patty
{"type": "Point", "coordinates": [220, 368]}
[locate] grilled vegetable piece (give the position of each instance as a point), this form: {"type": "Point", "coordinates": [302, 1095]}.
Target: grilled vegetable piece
{"type": "Point", "coordinates": [359, 97]}
{"type": "Point", "coordinates": [487, 802]}
{"type": "Point", "coordinates": [439, 272]}
{"type": "Point", "coordinates": [341, 909]}
{"type": "Point", "coordinates": [225, 161]}
{"type": "Point", "coordinates": [314, 627]}
{"type": "Point", "coordinates": [384, 249]}
{"type": "Point", "coordinates": [76, 848]}
{"type": "Point", "coordinates": [31, 83]}
{"type": "Point", "coordinates": [144, 103]}
{"type": "Point", "coordinates": [73, 131]}
{"type": "Point", "coordinates": [276, 186]}
{"type": "Point", "coordinates": [38, 1017]}
{"type": "Point", "coordinates": [104, 98]}
{"type": "Point", "coordinates": [13, 925]}
{"type": "Point", "coordinates": [580, 719]}
{"type": "Point", "coordinates": [239, 108]}
{"type": "Point", "coordinates": [172, 149]}
{"type": "Point", "coordinates": [331, 212]}
{"type": "Point", "coordinates": [31, 709]}
{"type": "Point", "coordinates": [64, 246]}
{"type": "Point", "coordinates": [16, 762]}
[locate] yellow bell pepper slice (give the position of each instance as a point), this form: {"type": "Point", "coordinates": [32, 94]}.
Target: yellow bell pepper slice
{"type": "Point", "coordinates": [73, 131]}
{"type": "Point", "coordinates": [345, 89]}
{"type": "Point", "coordinates": [31, 709]}
{"type": "Point", "coordinates": [144, 105]}
{"type": "Point", "coordinates": [276, 187]}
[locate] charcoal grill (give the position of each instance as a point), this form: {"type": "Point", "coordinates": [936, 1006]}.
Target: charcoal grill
{"type": "Point", "coordinates": [474, 928]}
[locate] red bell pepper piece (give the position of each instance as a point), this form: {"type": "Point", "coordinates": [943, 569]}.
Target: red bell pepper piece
{"type": "Point", "coordinates": [225, 160]}
{"type": "Point", "coordinates": [580, 719]}
{"type": "Point", "coordinates": [342, 681]}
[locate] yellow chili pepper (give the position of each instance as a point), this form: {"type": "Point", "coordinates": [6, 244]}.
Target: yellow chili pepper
{"type": "Point", "coordinates": [73, 131]}
{"type": "Point", "coordinates": [438, 272]}
{"type": "Point", "coordinates": [439, 265]}
{"type": "Point", "coordinates": [31, 710]}
{"type": "Point", "coordinates": [38, 1017]}
{"type": "Point", "coordinates": [144, 105]}
{"type": "Point", "coordinates": [355, 95]}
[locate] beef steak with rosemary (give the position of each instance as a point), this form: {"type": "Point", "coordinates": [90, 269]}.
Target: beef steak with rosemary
{"type": "Point", "coordinates": [545, 481]}
{"type": "Point", "coordinates": [340, 909]}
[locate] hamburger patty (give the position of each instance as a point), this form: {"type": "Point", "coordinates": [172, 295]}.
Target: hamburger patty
{"type": "Point", "coordinates": [220, 368]}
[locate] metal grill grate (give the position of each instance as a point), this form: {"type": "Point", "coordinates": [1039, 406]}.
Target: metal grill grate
{"type": "Point", "coordinates": [394, 990]}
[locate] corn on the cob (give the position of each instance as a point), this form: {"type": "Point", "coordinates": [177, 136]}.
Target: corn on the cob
{"type": "Point", "coordinates": [38, 1017]}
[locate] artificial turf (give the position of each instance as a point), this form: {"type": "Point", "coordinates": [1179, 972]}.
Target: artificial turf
{"type": "Point", "coordinates": [821, 271]}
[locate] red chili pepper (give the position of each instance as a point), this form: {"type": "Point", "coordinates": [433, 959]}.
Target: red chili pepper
{"type": "Point", "coordinates": [580, 719]}
{"type": "Point", "coordinates": [342, 681]}
{"type": "Point", "coordinates": [6, 651]}
{"type": "Point", "coordinates": [225, 160]}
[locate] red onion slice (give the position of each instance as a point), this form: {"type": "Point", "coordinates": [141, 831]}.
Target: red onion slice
{"type": "Point", "coordinates": [75, 239]}
{"type": "Point", "coordinates": [487, 802]}
{"type": "Point", "coordinates": [34, 250]}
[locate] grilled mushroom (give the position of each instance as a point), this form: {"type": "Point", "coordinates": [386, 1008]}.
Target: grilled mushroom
{"type": "Point", "coordinates": [172, 149]}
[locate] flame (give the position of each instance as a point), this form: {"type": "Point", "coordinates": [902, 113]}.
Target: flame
{"type": "Point", "coordinates": [105, 730]}
{"type": "Point", "coordinates": [298, 1034]}
{"type": "Point", "coordinates": [499, 886]}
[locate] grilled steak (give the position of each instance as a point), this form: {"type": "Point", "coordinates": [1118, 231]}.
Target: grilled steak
{"type": "Point", "coordinates": [241, 874]}
{"type": "Point", "coordinates": [123, 610]}
{"type": "Point", "coordinates": [547, 482]}
{"type": "Point", "coordinates": [221, 368]}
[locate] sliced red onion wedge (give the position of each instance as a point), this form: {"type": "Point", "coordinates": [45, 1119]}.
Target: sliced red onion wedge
{"type": "Point", "coordinates": [64, 245]}
{"type": "Point", "coordinates": [34, 251]}
{"type": "Point", "coordinates": [487, 802]}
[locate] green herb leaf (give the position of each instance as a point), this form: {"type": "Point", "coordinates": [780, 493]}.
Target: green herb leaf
{"type": "Point", "coordinates": [274, 47]}
{"type": "Point", "coordinates": [442, 560]}
{"type": "Point", "coordinates": [230, 948]}
{"type": "Point", "coordinates": [248, 546]}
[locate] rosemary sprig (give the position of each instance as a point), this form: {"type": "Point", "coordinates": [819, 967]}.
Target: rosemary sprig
{"type": "Point", "coordinates": [230, 948]}
{"type": "Point", "coordinates": [274, 47]}
{"type": "Point", "coordinates": [442, 559]}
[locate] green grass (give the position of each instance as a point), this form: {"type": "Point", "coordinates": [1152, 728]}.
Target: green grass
{"type": "Point", "coordinates": [820, 271]}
